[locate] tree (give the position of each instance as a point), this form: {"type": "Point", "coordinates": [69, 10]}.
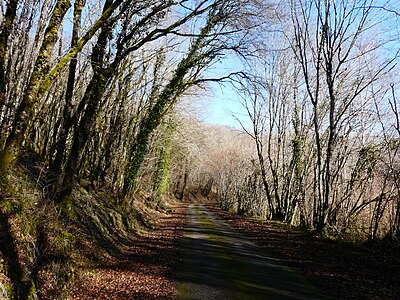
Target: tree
{"type": "Point", "coordinates": [68, 118]}
{"type": "Point", "coordinates": [203, 50]}
{"type": "Point", "coordinates": [327, 37]}
{"type": "Point", "coordinates": [43, 75]}
{"type": "Point", "coordinates": [6, 30]}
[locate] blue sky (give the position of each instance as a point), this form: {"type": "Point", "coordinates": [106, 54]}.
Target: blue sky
{"type": "Point", "coordinates": [223, 102]}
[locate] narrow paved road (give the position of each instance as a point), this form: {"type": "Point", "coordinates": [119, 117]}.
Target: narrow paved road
{"type": "Point", "coordinates": [220, 263]}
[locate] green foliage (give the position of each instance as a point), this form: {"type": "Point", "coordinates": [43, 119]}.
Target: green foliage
{"type": "Point", "coordinates": [14, 206]}
{"type": "Point", "coordinates": [64, 242]}
{"type": "Point", "coordinates": [67, 208]}
{"type": "Point", "coordinates": [163, 165]}
{"type": "Point", "coordinates": [6, 291]}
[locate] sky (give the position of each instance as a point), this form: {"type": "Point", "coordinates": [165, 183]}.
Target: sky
{"type": "Point", "coordinates": [222, 106]}
{"type": "Point", "coordinates": [222, 101]}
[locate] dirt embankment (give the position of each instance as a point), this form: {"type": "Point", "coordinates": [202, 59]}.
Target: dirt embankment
{"type": "Point", "coordinates": [143, 271]}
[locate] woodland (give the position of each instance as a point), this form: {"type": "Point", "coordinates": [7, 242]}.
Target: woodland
{"type": "Point", "coordinates": [100, 130]}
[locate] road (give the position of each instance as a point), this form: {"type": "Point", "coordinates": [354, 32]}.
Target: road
{"type": "Point", "coordinates": [220, 263]}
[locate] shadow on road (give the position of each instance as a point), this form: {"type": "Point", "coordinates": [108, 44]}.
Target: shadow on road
{"type": "Point", "coordinates": [219, 263]}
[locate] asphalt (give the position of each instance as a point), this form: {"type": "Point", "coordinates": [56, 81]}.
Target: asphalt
{"type": "Point", "coordinates": [220, 263]}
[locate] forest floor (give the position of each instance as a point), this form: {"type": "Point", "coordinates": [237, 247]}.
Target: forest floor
{"type": "Point", "coordinates": [151, 265]}
{"type": "Point", "coordinates": [143, 271]}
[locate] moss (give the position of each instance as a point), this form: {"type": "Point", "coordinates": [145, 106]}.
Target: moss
{"type": "Point", "coordinates": [68, 209]}
{"type": "Point", "coordinates": [242, 277]}
{"type": "Point", "coordinates": [6, 157]}
{"type": "Point", "coordinates": [14, 207]}
{"type": "Point", "coordinates": [164, 163]}
{"type": "Point", "coordinates": [183, 291]}
{"type": "Point", "coordinates": [6, 290]}
{"type": "Point", "coordinates": [64, 243]}
{"type": "Point", "coordinates": [228, 260]}
{"type": "Point", "coordinates": [32, 294]}
{"type": "Point", "coordinates": [207, 223]}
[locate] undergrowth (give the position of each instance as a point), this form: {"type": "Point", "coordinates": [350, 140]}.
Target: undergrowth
{"type": "Point", "coordinates": [43, 245]}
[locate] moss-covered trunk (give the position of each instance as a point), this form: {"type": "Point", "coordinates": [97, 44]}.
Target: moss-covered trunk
{"type": "Point", "coordinates": [26, 109]}
{"type": "Point", "coordinates": [139, 148]}
{"type": "Point", "coordinates": [163, 164]}
{"type": "Point", "coordinates": [82, 133]}
{"type": "Point", "coordinates": [67, 117]}
{"type": "Point", "coordinates": [175, 87]}
{"type": "Point", "coordinates": [9, 17]}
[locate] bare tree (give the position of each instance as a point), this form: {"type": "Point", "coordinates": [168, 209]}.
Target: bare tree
{"type": "Point", "coordinates": [327, 36]}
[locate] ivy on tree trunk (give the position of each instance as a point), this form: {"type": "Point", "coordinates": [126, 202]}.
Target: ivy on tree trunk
{"type": "Point", "coordinates": [175, 87]}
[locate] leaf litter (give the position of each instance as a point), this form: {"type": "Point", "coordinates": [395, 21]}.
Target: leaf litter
{"type": "Point", "coordinates": [145, 270]}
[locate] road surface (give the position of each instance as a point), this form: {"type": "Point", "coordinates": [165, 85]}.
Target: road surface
{"type": "Point", "coordinates": [219, 263]}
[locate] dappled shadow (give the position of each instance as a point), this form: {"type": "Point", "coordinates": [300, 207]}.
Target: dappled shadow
{"type": "Point", "coordinates": [219, 263]}
{"type": "Point", "coordinates": [142, 268]}
{"type": "Point", "coordinates": [342, 270]}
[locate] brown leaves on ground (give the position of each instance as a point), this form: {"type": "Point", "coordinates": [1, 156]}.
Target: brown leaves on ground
{"type": "Point", "coordinates": [342, 271]}
{"type": "Point", "coordinates": [144, 271]}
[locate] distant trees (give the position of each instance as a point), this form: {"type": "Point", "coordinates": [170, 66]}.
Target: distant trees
{"type": "Point", "coordinates": [270, 100]}
{"type": "Point", "coordinates": [88, 87]}
{"type": "Point", "coordinates": [328, 42]}
{"type": "Point", "coordinates": [62, 112]}
{"type": "Point", "coordinates": [387, 205]}
{"type": "Point", "coordinates": [221, 165]}
{"type": "Point", "coordinates": [315, 98]}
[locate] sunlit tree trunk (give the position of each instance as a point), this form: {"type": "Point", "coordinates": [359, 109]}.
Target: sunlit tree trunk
{"type": "Point", "coordinates": [25, 110]}
{"type": "Point", "coordinates": [67, 120]}
{"type": "Point", "coordinates": [6, 28]}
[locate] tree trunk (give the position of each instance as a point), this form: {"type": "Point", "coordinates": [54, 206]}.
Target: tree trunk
{"type": "Point", "coordinates": [81, 135]}
{"type": "Point", "coordinates": [26, 109]}
{"type": "Point", "coordinates": [67, 118]}
{"type": "Point", "coordinates": [9, 17]}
